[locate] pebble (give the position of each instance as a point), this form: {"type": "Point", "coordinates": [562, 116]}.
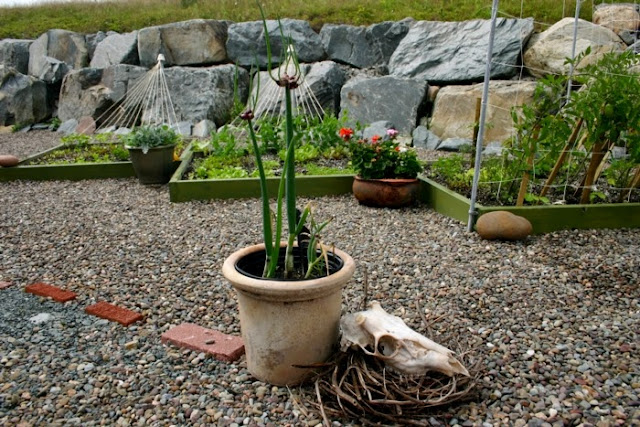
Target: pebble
{"type": "Point", "coordinates": [551, 320]}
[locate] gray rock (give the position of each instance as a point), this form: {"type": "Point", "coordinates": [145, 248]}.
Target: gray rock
{"type": "Point", "coordinates": [424, 138]}
{"type": "Point", "coordinates": [203, 129]}
{"type": "Point", "coordinates": [68, 127]}
{"type": "Point", "coordinates": [183, 128]}
{"type": "Point", "coordinates": [493, 148]}
{"type": "Point", "coordinates": [122, 131]}
{"type": "Point", "coordinates": [246, 42]}
{"type": "Point", "coordinates": [15, 53]}
{"type": "Point", "coordinates": [454, 111]}
{"type": "Point", "coordinates": [82, 94]}
{"type": "Point", "coordinates": [116, 49]}
{"type": "Point", "coordinates": [547, 52]}
{"type": "Point", "coordinates": [619, 18]}
{"type": "Point", "coordinates": [378, 128]}
{"type": "Point", "coordinates": [55, 47]}
{"type": "Point", "coordinates": [362, 47]}
{"type": "Point", "coordinates": [635, 47]}
{"type": "Point", "coordinates": [206, 93]}
{"type": "Point", "coordinates": [367, 100]}
{"type": "Point", "coordinates": [93, 40]}
{"type": "Point", "coordinates": [92, 91]}
{"type": "Point", "coordinates": [41, 318]}
{"type": "Point", "coordinates": [454, 144]}
{"type": "Point", "coordinates": [194, 42]}
{"type": "Point", "coordinates": [23, 99]}
{"type": "Point", "coordinates": [455, 52]}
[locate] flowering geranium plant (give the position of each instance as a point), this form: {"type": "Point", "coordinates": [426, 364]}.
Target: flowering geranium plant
{"type": "Point", "coordinates": [379, 157]}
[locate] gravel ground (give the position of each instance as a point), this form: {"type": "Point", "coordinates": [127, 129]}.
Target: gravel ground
{"type": "Point", "coordinates": [558, 316]}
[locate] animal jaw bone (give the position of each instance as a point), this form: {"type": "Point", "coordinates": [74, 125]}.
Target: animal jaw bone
{"type": "Point", "coordinates": [402, 348]}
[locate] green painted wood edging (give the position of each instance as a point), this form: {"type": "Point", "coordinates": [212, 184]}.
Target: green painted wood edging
{"type": "Point", "coordinates": [205, 189]}
{"type": "Point", "coordinates": [71, 172]}
{"type": "Point", "coordinates": [544, 219]}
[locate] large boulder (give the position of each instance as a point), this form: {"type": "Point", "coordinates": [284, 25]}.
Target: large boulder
{"type": "Point", "coordinates": [622, 19]}
{"type": "Point", "coordinates": [547, 52]}
{"type": "Point", "coordinates": [194, 42]}
{"type": "Point", "coordinates": [321, 85]}
{"type": "Point", "coordinates": [92, 91]}
{"type": "Point", "coordinates": [56, 52]}
{"type": "Point", "coordinates": [23, 99]}
{"type": "Point", "coordinates": [15, 53]}
{"type": "Point", "coordinates": [454, 111]}
{"type": "Point", "coordinates": [206, 93]}
{"type": "Point", "coordinates": [398, 100]}
{"type": "Point", "coordinates": [503, 225]}
{"type": "Point", "coordinates": [363, 47]}
{"type": "Point", "coordinates": [456, 52]}
{"type": "Point", "coordinates": [116, 49]}
{"type": "Point", "coordinates": [246, 42]}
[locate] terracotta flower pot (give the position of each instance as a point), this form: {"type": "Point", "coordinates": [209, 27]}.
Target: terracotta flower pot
{"type": "Point", "coordinates": [287, 323]}
{"type": "Point", "coordinates": [386, 193]}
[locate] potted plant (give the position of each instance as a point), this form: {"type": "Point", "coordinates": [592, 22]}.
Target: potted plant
{"type": "Point", "coordinates": [386, 173]}
{"type": "Point", "coordinates": [289, 292]}
{"type": "Point", "coordinates": [151, 149]}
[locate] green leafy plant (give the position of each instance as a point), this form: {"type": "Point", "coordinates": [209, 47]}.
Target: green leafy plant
{"type": "Point", "coordinates": [382, 158]}
{"type": "Point", "coordinates": [146, 137]}
{"type": "Point", "coordinates": [76, 139]}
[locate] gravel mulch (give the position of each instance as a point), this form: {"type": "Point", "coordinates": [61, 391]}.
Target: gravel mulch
{"type": "Point", "coordinates": [557, 316]}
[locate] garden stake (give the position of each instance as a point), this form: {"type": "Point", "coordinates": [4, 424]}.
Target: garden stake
{"type": "Point", "coordinates": [562, 157]}
{"type": "Point", "coordinates": [476, 128]}
{"type": "Point", "coordinates": [635, 182]}
{"type": "Point", "coordinates": [524, 184]}
{"type": "Point", "coordinates": [597, 157]}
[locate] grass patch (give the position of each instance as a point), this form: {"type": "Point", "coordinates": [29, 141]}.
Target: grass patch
{"type": "Point", "coordinates": [128, 15]}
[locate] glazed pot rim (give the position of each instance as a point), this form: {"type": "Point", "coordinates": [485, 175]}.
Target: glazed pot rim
{"type": "Point", "coordinates": [290, 290]}
{"type": "Point", "coordinates": [159, 147]}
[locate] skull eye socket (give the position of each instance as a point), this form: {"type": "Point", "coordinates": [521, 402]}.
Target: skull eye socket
{"type": "Point", "coordinates": [387, 345]}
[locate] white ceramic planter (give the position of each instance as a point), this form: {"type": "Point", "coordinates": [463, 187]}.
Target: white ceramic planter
{"type": "Point", "coordinates": [287, 323]}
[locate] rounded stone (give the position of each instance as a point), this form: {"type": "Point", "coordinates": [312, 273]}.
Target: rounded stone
{"type": "Point", "coordinates": [503, 225]}
{"type": "Point", "coordinates": [7, 160]}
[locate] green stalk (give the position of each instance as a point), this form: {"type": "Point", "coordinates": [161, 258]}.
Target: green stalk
{"type": "Point", "coordinates": [266, 211]}
{"type": "Point", "coordinates": [290, 173]}
{"type": "Point", "coordinates": [276, 247]}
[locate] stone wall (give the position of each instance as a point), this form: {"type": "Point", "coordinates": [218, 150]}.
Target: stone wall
{"type": "Point", "coordinates": [406, 73]}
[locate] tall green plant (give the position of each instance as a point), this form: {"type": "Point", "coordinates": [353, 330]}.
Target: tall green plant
{"type": "Point", "coordinates": [272, 223]}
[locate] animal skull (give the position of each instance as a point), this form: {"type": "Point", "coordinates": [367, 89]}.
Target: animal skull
{"type": "Point", "coordinates": [402, 348]}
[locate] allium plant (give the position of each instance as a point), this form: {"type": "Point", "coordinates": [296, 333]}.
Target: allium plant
{"type": "Point", "coordinates": [286, 189]}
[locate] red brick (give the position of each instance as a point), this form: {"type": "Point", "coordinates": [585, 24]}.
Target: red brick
{"type": "Point", "coordinates": [223, 347]}
{"type": "Point", "coordinates": [114, 313]}
{"type": "Point", "coordinates": [4, 285]}
{"type": "Point", "coordinates": [44, 290]}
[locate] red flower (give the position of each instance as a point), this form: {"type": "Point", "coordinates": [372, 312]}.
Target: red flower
{"type": "Point", "coordinates": [346, 133]}
{"type": "Point", "coordinates": [375, 139]}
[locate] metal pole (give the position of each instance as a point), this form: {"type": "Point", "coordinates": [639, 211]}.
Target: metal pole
{"type": "Point", "coordinates": [573, 47]}
{"type": "Point", "coordinates": [483, 114]}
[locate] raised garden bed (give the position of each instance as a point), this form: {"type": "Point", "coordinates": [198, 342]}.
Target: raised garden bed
{"type": "Point", "coordinates": [36, 168]}
{"type": "Point", "coordinates": [544, 219]}
{"type": "Point", "coordinates": [182, 189]}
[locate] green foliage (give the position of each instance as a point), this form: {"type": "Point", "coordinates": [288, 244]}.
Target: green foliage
{"type": "Point", "coordinates": [147, 137]}
{"type": "Point", "coordinates": [129, 15]}
{"type": "Point", "coordinates": [452, 171]}
{"type": "Point", "coordinates": [55, 123]}
{"type": "Point", "coordinates": [18, 126]}
{"type": "Point", "coordinates": [77, 139]}
{"type": "Point", "coordinates": [620, 172]}
{"type": "Point", "coordinates": [313, 169]}
{"type": "Point", "coordinates": [84, 152]}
